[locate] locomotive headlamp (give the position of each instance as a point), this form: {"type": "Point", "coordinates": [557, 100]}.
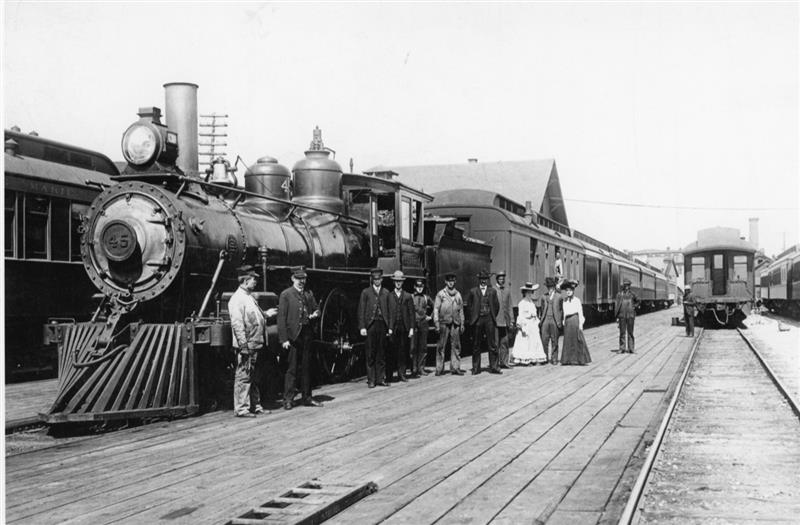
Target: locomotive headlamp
{"type": "Point", "coordinates": [148, 141]}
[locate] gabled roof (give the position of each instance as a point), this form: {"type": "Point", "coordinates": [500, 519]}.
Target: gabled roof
{"type": "Point", "coordinates": [533, 180]}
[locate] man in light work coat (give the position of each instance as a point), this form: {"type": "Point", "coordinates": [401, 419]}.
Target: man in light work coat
{"type": "Point", "coordinates": [505, 319]}
{"type": "Point", "coordinates": [297, 309]}
{"type": "Point", "coordinates": [248, 323]}
{"type": "Point", "coordinates": [448, 319]}
{"type": "Point", "coordinates": [625, 311]}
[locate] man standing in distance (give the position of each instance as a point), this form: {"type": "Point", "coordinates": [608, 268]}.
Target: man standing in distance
{"type": "Point", "coordinates": [448, 319]}
{"type": "Point", "coordinates": [374, 323]}
{"type": "Point", "coordinates": [551, 315]}
{"type": "Point", "coordinates": [483, 308]}
{"type": "Point", "coordinates": [297, 308]}
{"type": "Point", "coordinates": [248, 323]}
{"type": "Point", "coordinates": [423, 306]}
{"type": "Point", "coordinates": [625, 311]}
{"type": "Point", "coordinates": [505, 319]}
{"type": "Point", "coordinates": [688, 309]}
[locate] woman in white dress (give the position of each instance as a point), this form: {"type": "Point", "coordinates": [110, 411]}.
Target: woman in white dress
{"type": "Point", "coordinates": [528, 343]}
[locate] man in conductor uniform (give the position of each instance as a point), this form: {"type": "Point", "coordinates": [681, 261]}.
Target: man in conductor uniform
{"type": "Point", "coordinates": [401, 312]}
{"type": "Point", "coordinates": [505, 319]}
{"type": "Point", "coordinates": [483, 308]}
{"type": "Point", "coordinates": [551, 315]}
{"type": "Point", "coordinates": [374, 323]}
{"type": "Point", "coordinates": [248, 323]}
{"type": "Point", "coordinates": [297, 308]}
{"type": "Point", "coordinates": [625, 311]}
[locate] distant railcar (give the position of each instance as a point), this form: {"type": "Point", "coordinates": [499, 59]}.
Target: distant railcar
{"type": "Point", "coordinates": [530, 247]}
{"type": "Point", "coordinates": [719, 270]}
{"type": "Point", "coordinates": [780, 283]}
{"type": "Point", "coordinates": [48, 187]}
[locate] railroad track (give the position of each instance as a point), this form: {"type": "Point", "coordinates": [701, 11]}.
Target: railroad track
{"type": "Point", "coordinates": [726, 449]}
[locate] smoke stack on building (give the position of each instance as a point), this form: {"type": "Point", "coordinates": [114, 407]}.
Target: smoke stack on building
{"type": "Point", "coordinates": [754, 232]}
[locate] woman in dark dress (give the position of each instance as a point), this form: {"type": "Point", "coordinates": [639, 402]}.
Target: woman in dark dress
{"type": "Point", "coordinates": [575, 351]}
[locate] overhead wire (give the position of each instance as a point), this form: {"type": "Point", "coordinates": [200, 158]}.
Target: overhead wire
{"type": "Point", "coordinates": [674, 207]}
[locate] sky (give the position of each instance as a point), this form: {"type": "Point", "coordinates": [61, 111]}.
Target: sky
{"type": "Point", "coordinates": [688, 108]}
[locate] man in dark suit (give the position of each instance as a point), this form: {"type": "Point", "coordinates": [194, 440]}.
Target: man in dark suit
{"type": "Point", "coordinates": [483, 308]}
{"type": "Point", "coordinates": [297, 308]}
{"type": "Point", "coordinates": [401, 312]}
{"type": "Point", "coordinates": [625, 311]}
{"type": "Point", "coordinates": [689, 310]}
{"type": "Point", "coordinates": [551, 319]}
{"type": "Point", "coordinates": [505, 319]}
{"type": "Point", "coordinates": [374, 323]}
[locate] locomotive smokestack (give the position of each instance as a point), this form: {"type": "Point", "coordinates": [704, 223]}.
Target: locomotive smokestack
{"type": "Point", "coordinates": [754, 232]}
{"type": "Point", "coordinates": [181, 107]}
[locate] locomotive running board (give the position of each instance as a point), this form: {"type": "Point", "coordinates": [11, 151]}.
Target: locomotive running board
{"type": "Point", "coordinates": [153, 376]}
{"type": "Point", "coordinates": [310, 503]}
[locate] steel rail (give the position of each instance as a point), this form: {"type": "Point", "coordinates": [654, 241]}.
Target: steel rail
{"type": "Point", "coordinates": [638, 487]}
{"type": "Point", "coordinates": [773, 376]}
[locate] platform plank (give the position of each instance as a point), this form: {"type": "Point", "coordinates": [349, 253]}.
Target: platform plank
{"type": "Point", "coordinates": [473, 447]}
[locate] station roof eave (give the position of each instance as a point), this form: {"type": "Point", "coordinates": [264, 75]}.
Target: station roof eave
{"type": "Point", "coordinates": [538, 180]}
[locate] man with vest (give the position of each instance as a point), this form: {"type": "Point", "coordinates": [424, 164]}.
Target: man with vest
{"type": "Point", "coordinates": [297, 308]}
{"type": "Point", "coordinates": [423, 312]}
{"type": "Point", "coordinates": [551, 319]}
{"type": "Point", "coordinates": [374, 323]}
{"type": "Point", "coordinates": [448, 319]}
{"type": "Point", "coordinates": [505, 319]}
{"type": "Point", "coordinates": [483, 307]}
{"type": "Point", "coordinates": [248, 323]}
{"type": "Point", "coordinates": [401, 312]}
{"type": "Point", "coordinates": [625, 311]}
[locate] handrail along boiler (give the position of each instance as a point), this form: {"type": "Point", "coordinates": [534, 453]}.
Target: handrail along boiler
{"type": "Point", "coordinates": [163, 241]}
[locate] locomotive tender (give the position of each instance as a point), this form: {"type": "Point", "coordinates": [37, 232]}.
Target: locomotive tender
{"type": "Point", "coordinates": [780, 283]}
{"type": "Point", "coordinates": [163, 243]}
{"type": "Point", "coordinates": [48, 186]}
{"type": "Point", "coordinates": [719, 270]}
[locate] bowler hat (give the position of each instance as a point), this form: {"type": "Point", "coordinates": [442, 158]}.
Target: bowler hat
{"type": "Point", "coordinates": [246, 271]}
{"type": "Point", "coordinates": [626, 281]}
{"type": "Point", "coordinates": [449, 276]}
{"type": "Point", "coordinates": [549, 282]}
{"type": "Point", "coordinates": [529, 286]}
{"type": "Point", "coordinates": [376, 271]}
{"type": "Point", "coordinates": [299, 272]}
{"type": "Point", "coordinates": [499, 274]}
{"type": "Point", "coordinates": [569, 284]}
{"type": "Point", "coordinates": [483, 274]}
{"type": "Point", "coordinates": [398, 276]}
{"type": "Point", "coordinates": [419, 280]}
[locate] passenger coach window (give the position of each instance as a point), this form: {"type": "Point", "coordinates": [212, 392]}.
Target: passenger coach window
{"type": "Point", "coordinates": [532, 251]}
{"type": "Point", "coordinates": [416, 219]}
{"type": "Point", "coordinates": [740, 267]}
{"type": "Point", "coordinates": [76, 216]}
{"type": "Point", "coordinates": [698, 268]}
{"type": "Point", "coordinates": [11, 223]}
{"type": "Point", "coordinates": [405, 214]}
{"type": "Point", "coordinates": [59, 230]}
{"type": "Point", "coordinates": [37, 214]}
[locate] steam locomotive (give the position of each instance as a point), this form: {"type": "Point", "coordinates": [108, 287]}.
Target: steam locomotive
{"type": "Point", "coordinates": [164, 242]}
{"type": "Point", "coordinates": [719, 270]}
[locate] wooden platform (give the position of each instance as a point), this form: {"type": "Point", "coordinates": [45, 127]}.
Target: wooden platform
{"type": "Point", "coordinates": [24, 401]}
{"type": "Point", "coordinates": [561, 444]}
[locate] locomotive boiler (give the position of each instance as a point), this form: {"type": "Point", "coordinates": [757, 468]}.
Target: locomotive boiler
{"type": "Point", "coordinates": [164, 242]}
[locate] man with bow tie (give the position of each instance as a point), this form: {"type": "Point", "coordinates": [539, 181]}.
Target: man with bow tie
{"type": "Point", "coordinates": [483, 307]}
